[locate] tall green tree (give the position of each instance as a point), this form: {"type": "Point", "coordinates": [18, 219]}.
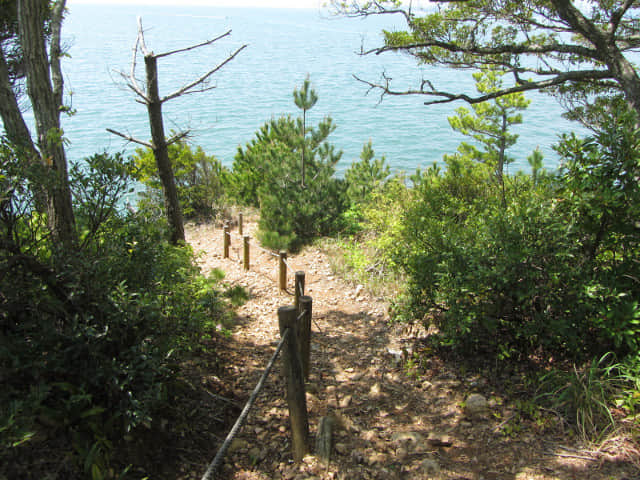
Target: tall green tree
{"type": "Point", "coordinates": [489, 122]}
{"type": "Point", "coordinates": [305, 99]}
{"type": "Point", "coordinates": [580, 50]}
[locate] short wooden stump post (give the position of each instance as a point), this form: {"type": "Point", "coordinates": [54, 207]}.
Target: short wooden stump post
{"type": "Point", "coordinates": [304, 333]}
{"type": "Point", "coordinates": [296, 397]}
{"type": "Point", "coordinates": [240, 219]}
{"type": "Point", "coordinates": [245, 255]}
{"type": "Point", "coordinates": [227, 240]}
{"type": "Point", "coordinates": [299, 287]}
{"type": "Point", "coordinates": [282, 277]}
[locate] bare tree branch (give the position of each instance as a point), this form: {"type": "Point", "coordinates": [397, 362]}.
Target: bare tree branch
{"type": "Point", "coordinates": [140, 39]}
{"type": "Point", "coordinates": [134, 85]}
{"type": "Point", "coordinates": [187, 89]}
{"type": "Point", "coordinates": [193, 47]}
{"type": "Point", "coordinates": [179, 136]}
{"type": "Point", "coordinates": [617, 15]}
{"type": "Point", "coordinates": [130, 138]}
{"type": "Point", "coordinates": [427, 88]}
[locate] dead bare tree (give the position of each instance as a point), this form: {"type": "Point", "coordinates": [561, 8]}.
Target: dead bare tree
{"type": "Point", "coordinates": [149, 96]}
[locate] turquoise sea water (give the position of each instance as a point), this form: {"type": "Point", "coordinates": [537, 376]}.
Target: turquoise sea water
{"type": "Point", "coordinates": [284, 46]}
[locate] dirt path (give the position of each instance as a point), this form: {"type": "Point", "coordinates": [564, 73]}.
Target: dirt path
{"type": "Point", "coordinates": [390, 425]}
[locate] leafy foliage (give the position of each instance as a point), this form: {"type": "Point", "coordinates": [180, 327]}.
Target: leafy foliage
{"type": "Point", "coordinates": [554, 270]}
{"type": "Point", "coordinates": [199, 179]}
{"type": "Point", "coordinates": [90, 341]}
{"type": "Point", "coordinates": [582, 54]}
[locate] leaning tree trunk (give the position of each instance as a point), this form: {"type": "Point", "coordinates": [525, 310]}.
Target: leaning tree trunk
{"type": "Point", "coordinates": [14, 124]}
{"type": "Point", "coordinates": [161, 152]}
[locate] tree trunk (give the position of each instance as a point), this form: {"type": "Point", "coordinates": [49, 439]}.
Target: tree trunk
{"type": "Point", "coordinates": [46, 102]}
{"type": "Point", "coordinates": [161, 152]}
{"type": "Point", "coordinates": [621, 68]}
{"type": "Point", "coordinates": [14, 124]}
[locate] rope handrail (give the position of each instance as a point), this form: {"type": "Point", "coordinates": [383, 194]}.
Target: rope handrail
{"type": "Point", "coordinates": [273, 254]}
{"type": "Point", "coordinates": [215, 463]}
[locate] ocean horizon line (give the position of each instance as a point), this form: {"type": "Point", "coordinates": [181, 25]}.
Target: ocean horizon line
{"type": "Point", "coordinates": [272, 5]}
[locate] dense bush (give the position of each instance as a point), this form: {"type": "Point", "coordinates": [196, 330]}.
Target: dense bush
{"type": "Point", "coordinates": [90, 340]}
{"type": "Point", "coordinates": [553, 270]}
{"type": "Point", "coordinates": [199, 179]}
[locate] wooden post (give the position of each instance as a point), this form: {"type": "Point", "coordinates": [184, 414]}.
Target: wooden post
{"type": "Point", "coordinates": [323, 438]}
{"type": "Point", "coordinates": [304, 333]}
{"type": "Point", "coordinates": [296, 397]}
{"type": "Point", "coordinates": [299, 287]}
{"type": "Point", "coordinates": [246, 252]}
{"type": "Point", "coordinates": [282, 283]}
{"type": "Point", "coordinates": [240, 224]}
{"type": "Point", "coordinates": [227, 239]}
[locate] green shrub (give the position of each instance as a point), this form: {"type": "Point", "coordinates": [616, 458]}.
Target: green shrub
{"type": "Point", "coordinates": [91, 339]}
{"type": "Point", "coordinates": [199, 179]}
{"type": "Point", "coordinates": [552, 271]}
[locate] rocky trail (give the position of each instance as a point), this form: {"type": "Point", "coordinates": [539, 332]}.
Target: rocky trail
{"type": "Point", "coordinates": [388, 424]}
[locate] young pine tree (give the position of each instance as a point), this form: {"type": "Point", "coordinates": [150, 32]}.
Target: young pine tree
{"type": "Point", "coordinates": [489, 123]}
{"type": "Point", "coordinates": [365, 176]}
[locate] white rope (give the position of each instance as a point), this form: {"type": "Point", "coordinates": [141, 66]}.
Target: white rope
{"type": "Point", "coordinates": [268, 251]}
{"type": "Point", "coordinates": [215, 463]}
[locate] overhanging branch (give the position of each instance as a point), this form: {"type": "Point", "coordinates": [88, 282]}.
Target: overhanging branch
{"type": "Point", "coordinates": [427, 88]}
{"type": "Point", "coordinates": [483, 50]}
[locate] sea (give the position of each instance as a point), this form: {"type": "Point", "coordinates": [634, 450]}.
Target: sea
{"type": "Point", "coordinates": [284, 46]}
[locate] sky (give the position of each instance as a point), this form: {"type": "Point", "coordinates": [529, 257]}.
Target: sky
{"type": "Point", "coordinates": [213, 3]}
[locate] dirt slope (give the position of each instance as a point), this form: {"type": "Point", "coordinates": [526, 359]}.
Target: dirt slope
{"type": "Point", "coordinates": [390, 425]}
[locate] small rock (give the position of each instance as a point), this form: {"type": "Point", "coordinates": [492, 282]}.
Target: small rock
{"type": "Point", "coordinates": [345, 402]}
{"type": "Point", "coordinates": [402, 437]}
{"type": "Point", "coordinates": [357, 456]}
{"type": "Point", "coordinates": [255, 454]}
{"type": "Point", "coordinates": [430, 466]}
{"type": "Point", "coordinates": [369, 435]}
{"type": "Point", "coordinates": [375, 391]}
{"type": "Point", "coordinates": [309, 459]}
{"type": "Point", "coordinates": [341, 448]}
{"type": "Point", "coordinates": [376, 457]}
{"type": "Point", "coordinates": [401, 453]}
{"type": "Point", "coordinates": [358, 291]}
{"type": "Point", "coordinates": [237, 445]}
{"type": "Point", "coordinates": [476, 405]}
